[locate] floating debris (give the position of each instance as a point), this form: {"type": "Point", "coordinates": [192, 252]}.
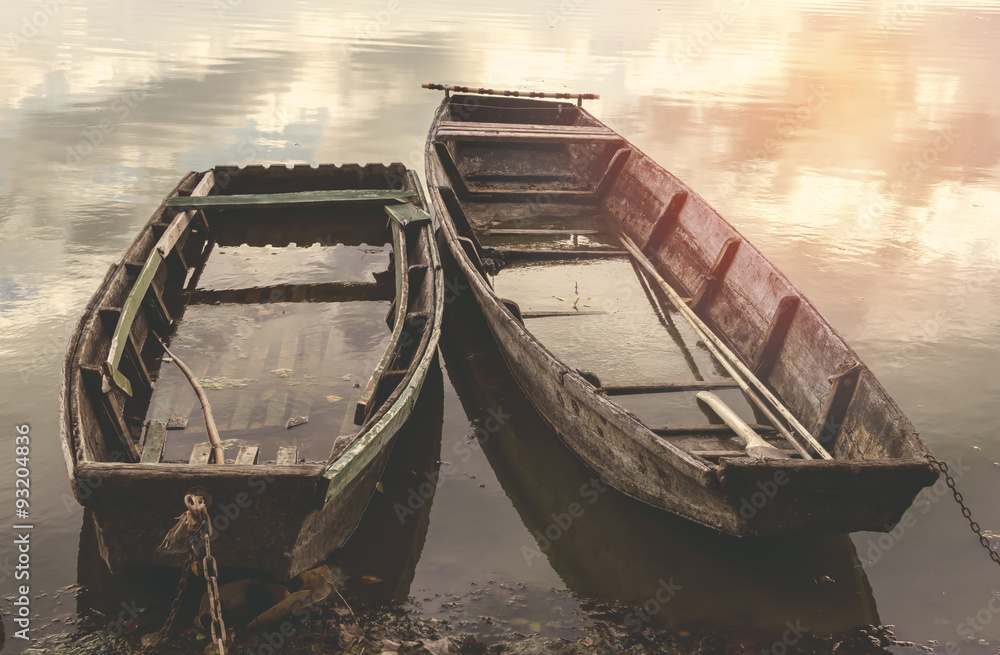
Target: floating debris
{"type": "Point", "coordinates": [223, 382]}
{"type": "Point", "coordinates": [296, 420]}
{"type": "Point", "coordinates": [334, 399]}
{"type": "Point", "coordinates": [283, 372]}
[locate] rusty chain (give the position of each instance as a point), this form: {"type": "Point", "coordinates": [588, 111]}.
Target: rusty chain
{"type": "Point", "coordinates": [210, 571]}
{"type": "Point", "coordinates": [203, 529]}
{"type": "Point", "coordinates": [966, 512]}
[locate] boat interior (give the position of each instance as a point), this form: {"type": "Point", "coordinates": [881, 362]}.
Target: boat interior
{"type": "Point", "coordinates": [545, 197]}
{"type": "Point", "coordinates": [281, 307]}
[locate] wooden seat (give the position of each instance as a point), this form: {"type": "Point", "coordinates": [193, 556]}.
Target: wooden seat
{"type": "Point", "coordinates": [468, 131]}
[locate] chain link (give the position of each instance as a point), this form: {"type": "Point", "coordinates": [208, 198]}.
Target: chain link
{"type": "Point", "coordinates": [211, 573]}
{"type": "Point", "coordinates": [966, 512]}
{"type": "Point", "coordinates": [202, 532]}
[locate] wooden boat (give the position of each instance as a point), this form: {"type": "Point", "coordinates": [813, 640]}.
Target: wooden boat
{"type": "Point", "coordinates": [278, 517]}
{"type": "Point", "coordinates": [536, 172]}
{"type": "Point", "coordinates": [606, 546]}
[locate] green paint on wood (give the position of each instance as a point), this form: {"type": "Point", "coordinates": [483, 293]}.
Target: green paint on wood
{"type": "Point", "coordinates": [406, 214]}
{"type": "Point", "coordinates": [298, 198]}
{"type": "Point", "coordinates": [129, 310]}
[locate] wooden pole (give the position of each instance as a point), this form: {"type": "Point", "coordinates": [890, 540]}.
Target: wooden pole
{"type": "Point", "coordinates": [727, 358]}
{"type": "Point", "coordinates": [213, 432]}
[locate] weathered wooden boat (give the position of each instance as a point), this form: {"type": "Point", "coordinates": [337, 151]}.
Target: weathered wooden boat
{"type": "Point", "coordinates": [606, 546]}
{"type": "Point", "coordinates": [509, 177]}
{"type": "Point", "coordinates": [278, 517]}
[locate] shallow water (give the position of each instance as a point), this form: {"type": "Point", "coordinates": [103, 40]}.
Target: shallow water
{"type": "Point", "coordinates": [856, 144]}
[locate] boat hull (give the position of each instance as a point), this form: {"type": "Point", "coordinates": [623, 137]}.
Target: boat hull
{"type": "Point", "coordinates": [735, 495]}
{"type": "Point", "coordinates": [276, 518]}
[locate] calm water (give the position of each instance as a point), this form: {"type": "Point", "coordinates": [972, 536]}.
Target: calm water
{"type": "Point", "coordinates": [856, 144]}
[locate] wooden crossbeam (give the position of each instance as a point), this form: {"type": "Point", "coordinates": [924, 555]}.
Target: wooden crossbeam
{"type": "Point", "coordinates": [614, 170]}
{"type": "Point", "coordinates": [513, 255]}
{"type": "Point", "coordinates": [299, 198]}
{"type": "Point", "coordinates": [556, 313]}
{"type": "Point", "coordinates": [775, 337]}
{"type": "Point", "coordinates": [322, 292]}
{"type": "Point", "coordinates": [667, 219]}
{"type": "Point", "coordinates": [717, 273]}
{"type": "Point", "coordinates": [668, 387]}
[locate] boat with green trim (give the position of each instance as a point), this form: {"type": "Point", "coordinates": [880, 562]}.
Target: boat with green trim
{"type": "Point", "coordinates": [268, 282]}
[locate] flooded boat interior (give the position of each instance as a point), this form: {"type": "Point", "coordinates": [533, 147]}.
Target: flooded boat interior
{"type": "Point", "coordinates": [599, 313]}
{"type": "Point", "coordinates": [287, 323]}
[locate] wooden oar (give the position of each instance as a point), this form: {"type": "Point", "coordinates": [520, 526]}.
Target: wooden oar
{"type": "Point", "coordinates": [728, 359]}
{"type": "Point", "coordinates": [756, 447]}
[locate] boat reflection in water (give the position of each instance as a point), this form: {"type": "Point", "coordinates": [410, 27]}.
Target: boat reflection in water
{"type": "Point", "coordinates": [606, 546]}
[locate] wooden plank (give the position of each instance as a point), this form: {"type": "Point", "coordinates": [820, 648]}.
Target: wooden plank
{"type": "Point", "coordinates": [156, 438]}
{"type": "Point", "coordinates": [707, 430]}
{"type": "Point", "coordinates": [202, 453]}
{"type": "Point", "coordinates": [295, 199]}
{"type": "Point", "coordinates": [124, 325]}
{"type": "Point", "coordinates": [514, 255]}
{"type": "Point", "coordinates": [568, 312]}
{"type": "Point", "coordinates": [667, 219]}
{"type": "Point", "coordinates": [775, 337]}
{"type": "Point", "coordinates": [451, 169]}
{"type": "Point", "coordinates": [843, 385]}
{"type": "Point", "coordinates": [365, 406]}
{"type": "Point", "coordinates": [179, 225]}
{"type": "Point", "coordinates": [407, 214]}
{"type": "Point", "coordinates": [276, 409]}
{"type": "Point", "coordinates": [109, 418]}
{"type": "Point", "coordinates": [614, 169]}
{"type": "Point", "coordinates": [287, 456]}
{"type": "Point", "coordinates": [717, 273]}
{"type": "Point", "coordinates": [320, 292]}
{"type": "Point", "coordinates": [248, 455]}
{"type": "Point", "coordinates": [668, 387]}
{"type": "Point", "coordinates": [538, 232]}
{"type": "Point", "coordinates": [525, 127]}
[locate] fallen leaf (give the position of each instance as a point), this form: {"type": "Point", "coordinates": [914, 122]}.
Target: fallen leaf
{"type": "Point", "coordinates": [350, 633]}
{"type": "Point", "coordinates": [346, 377]}
{"type": "Point", "coordinates": [282, 608]}
{"type": "Point", "coordinates": [333, 399]}
{"type": "Point", "coordinates": [296, 420]}
{"type": "Point", "coordinates": [370, 579]}
{"type": "Point", "coordinates": [388, 644]}
{"type": "Point", "coordinates": [576, 301]}
{"type": "Point", "coordinates": [147, 640]}
{"type": "Point", "coordinates": [587, 641]}
{"type": "Point", "coordinates": [443, 646]}
{"type": "Point", "coordinates": [73, 587]}
{"type": "Point", "coordinates": [379, 487]}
